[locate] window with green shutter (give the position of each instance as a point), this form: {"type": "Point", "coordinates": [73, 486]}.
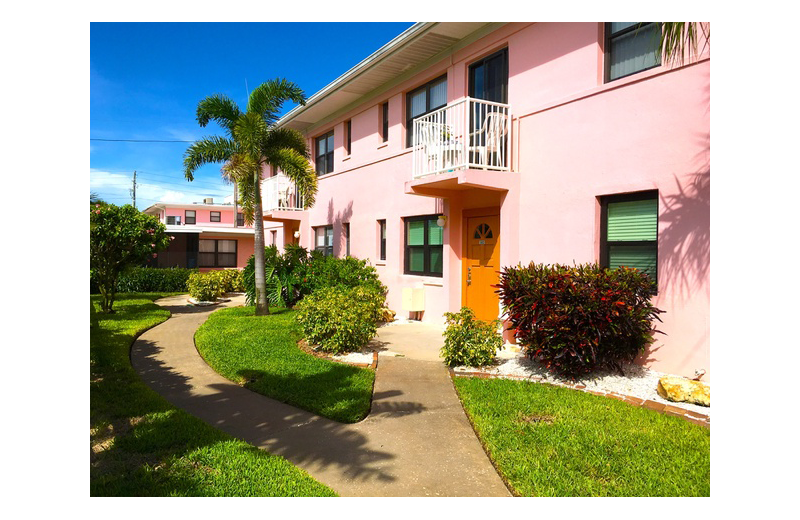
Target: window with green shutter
{"type": "Point", "coordinates": [424, 246]}
{"type": "Point", "coordinates": [630, 232]}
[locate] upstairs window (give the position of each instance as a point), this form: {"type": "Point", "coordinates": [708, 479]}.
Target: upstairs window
{"type": "Point", "coordinates": [423, 100]}
{"type": "Point", "coordinates": [631, 47]}
{"type": "Point", "coordinates": [348, 128]}
{"type": "Point", "coordinates": [191, 216]}
{"type": "Point", "coordinates": [215, 216]}
{"type": "Point", "coordinates": [385, 121]}
{"type": "Point", "coordinates": [240, 219]}
{"type": "Point", "coordinates": [629, 232]}
{"type": "Point", "coordinates": [324, 153]}
{"type": "Point", "coordinates": [174, 220]}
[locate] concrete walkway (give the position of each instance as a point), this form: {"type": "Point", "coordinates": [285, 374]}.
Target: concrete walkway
{"type": "Point", "coordinates": [416, 440]}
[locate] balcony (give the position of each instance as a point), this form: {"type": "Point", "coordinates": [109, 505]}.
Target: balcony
{"type": "Point", "coordinates": [467, 134]}
{"type": "Point", "coordinates": [280, 194]}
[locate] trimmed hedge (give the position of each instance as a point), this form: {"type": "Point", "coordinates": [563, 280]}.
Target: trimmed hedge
{"type": "Point", "coordinates": [149, 279]}
{"type": "Point", "coordinates": [578, 319]}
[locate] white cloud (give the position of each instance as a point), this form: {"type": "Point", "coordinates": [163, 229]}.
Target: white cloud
{"type": "Point", "coordinates": [115, 188]}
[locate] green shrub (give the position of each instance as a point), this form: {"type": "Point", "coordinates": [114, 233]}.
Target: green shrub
{"type": "Point", "coordinates": [468, 341]}
{"type": "Point", "coordinates": [329, 271]}
{"type": "Point", "coordinates": [577, 319]}
{"type": "Point", "coordinates": [206, 287]}
{"type": "Point", "coordinates": [149, 279]}
{"type": "Point", "coordinates": [229, 280]}
{"type": "Point", "coordinates": [296, 273]}
{"type": "Point", "coordinates": [340, 319]}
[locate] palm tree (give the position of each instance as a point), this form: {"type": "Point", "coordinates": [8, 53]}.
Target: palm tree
{"type": "Point", "coordinates": [252, 143]}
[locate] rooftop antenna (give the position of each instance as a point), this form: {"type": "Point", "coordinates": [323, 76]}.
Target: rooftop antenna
{"type": "Point", "coordinates": [247, 89]}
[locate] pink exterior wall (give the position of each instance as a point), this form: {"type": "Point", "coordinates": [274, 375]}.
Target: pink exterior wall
{"type": "Point", "coordinates": [203, 216]}
{"type": "Point", "coordinates": [574, 140]}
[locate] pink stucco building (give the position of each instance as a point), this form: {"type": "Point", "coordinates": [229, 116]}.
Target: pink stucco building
{"type": "Point", "coordinates": [208, 236]}
{"type": "Point", "coordinates": [459, 148]}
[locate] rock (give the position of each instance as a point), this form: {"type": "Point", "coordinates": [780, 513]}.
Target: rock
{"type": "Point", "coordinates": [387, 315]}
{"type": "Point", "coordinates": [680, 389]}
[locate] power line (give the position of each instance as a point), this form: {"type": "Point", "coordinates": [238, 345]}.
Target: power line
{"type": "Point", "coordinates": [141, 140]}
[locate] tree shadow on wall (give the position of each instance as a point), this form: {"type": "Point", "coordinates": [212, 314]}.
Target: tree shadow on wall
{"type": "Point", "coordinates": [685, 242]}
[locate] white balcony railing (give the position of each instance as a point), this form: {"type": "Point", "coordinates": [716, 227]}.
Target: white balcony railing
{"type": "Point", "coordinates": [470, 133]}
{"type": "Point", "coordinates": [280, 193]}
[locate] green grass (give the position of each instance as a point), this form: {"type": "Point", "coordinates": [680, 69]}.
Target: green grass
{"type": "Point", "coordinates": [143, 446]}
{"type": "Point", "coordinates": [261, 352]}
{"type": "Point", "coordinates": [552, 441]}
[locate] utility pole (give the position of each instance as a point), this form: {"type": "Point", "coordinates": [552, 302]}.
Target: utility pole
{"type": "Point", "coordinates": [133, 190]}
{"type": "Point", "coordinates": [235, 206]}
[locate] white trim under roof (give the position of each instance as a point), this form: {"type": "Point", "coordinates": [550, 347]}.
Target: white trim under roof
{"type": "Point", "coordinates": [403, 54]}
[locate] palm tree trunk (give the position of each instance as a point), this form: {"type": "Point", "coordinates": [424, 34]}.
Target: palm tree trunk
{"type": "Point", "coordinates": [262, 304]}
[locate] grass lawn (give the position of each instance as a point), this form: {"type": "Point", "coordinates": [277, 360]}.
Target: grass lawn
{"type": "Point", "coordinates": [552, 441]}
{"type": "Point", "coordinates": [143, 446]}
{"type": "Point", "coordinates": [261, 352]}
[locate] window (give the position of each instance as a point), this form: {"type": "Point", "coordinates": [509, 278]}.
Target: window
{"type": "Point", "coordinates": [385, 121]}
{"type": "Point", "coordinates": [324, 154]}
{"type": "Point", "coordinates": [631, 47]}
{"type": "Point", "coordinates": [346, 231]}
{"type": "Point", "coordinates": [423, 100]}
{"type": "Point", "coordinates": [348, 127]}
{"type": "Point", "coordinates": [382, 235]}
{"type": "Point", "coordinates": [274, 237]}
{"type": "Point", "coordinates": [217, 253]}
{"type": "Point", "coordinates": [424, 252]}
{"type": "Point", "coordinates": [215, 216]}
{"type": "Point", "coordinates": [190, 217]}
{"type": "Point", "coordinates": [323, 240]}
{"type": "Point", "coordinates": [488, 78]}
{"type": "Point", "coordinates": [629, 232]}
{"type": "Point", "coordinates": [173, 221]}
{"type": "Point", "coordinates": [240, 219]}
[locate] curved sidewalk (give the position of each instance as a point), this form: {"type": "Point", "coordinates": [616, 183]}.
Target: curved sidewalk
{"type": "Point", "coordinates": [416, 440]}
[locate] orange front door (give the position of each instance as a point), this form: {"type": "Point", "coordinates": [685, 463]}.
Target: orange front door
{"type": "Point", "coordinates": [481, 265]}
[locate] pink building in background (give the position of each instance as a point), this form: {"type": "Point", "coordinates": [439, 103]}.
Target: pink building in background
{"type": "Point", "coordinates": [459, 148]}
{"type": "Point", "coordinates": [207, 236]}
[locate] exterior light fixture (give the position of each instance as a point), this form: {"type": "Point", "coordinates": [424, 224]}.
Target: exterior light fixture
{"type": "Point", "coordinates": [297, 234]}
{"type": "Point", "coordinates": [441, 221]}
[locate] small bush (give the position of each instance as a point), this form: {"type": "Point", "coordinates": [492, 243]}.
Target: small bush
{"type": "Point", "coordinates": [340, 319]}
{"type": "Point", "coordinates": [578, 319]}
{"type": "Point", "coordinates": [468, 341]}
{"type": "Point", "coordinates": [206, 287]}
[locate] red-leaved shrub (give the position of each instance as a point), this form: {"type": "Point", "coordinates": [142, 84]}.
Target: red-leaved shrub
{"type": "Point", "coordinates": [577, 319]}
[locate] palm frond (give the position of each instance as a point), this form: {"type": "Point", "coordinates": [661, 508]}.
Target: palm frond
{"type": "Point", "coordinates": [250, 131]}
{"type": "Point", "coordinates": [286, 138]}
{"type": "Point", "coordinates": [297, 168]}
{"type": "Point", "coordinates": [679, 38]}
{"type": "Point", "coordinates": [220, 109]}
{"type": "Point", "coordinates": [267, 99]}
{"type": "Point", "coordinates": [207, 150]}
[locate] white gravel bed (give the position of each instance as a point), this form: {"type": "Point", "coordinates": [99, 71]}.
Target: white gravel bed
{"type": "Point", "coordinates": [638, 381]}
{"type": "Point", "coordinates": [355, 357]}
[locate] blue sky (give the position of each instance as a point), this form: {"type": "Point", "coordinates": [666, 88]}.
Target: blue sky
{"type": "Point", "coordinates": [147, 78]}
